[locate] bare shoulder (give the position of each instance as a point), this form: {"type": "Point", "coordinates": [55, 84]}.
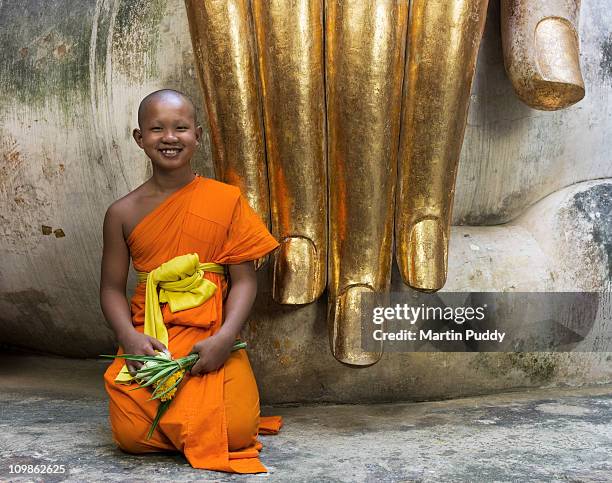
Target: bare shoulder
{"type": "Point", "coordinates": [120, 214]}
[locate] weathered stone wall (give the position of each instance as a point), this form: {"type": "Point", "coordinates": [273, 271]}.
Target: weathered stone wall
{"type": "Point", "coordinates": [71, 76]}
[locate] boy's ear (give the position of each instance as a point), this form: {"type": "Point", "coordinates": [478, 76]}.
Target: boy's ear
{"type": "Point", "coordinates": [137, 135]}
{"type": "Point", "coordinates": [198, 131]}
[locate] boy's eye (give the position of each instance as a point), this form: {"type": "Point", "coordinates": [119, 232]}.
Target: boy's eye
{"type": "Point", "coordinates": [182, 128]}
{"type": "Point", "coordinates": [156, 129]}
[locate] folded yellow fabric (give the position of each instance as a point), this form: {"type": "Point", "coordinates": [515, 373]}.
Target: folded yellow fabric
{"type": "Point", "coordinates": [182, 286]}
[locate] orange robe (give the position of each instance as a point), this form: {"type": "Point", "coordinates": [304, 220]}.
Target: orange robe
{"type": "Point", "coordinates": [214, 418]}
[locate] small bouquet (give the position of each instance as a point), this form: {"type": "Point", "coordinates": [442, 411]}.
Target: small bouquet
{"type": "Point", "coordinates": [163, 374]}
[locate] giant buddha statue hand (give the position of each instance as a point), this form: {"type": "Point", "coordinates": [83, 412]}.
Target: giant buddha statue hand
{"type": "Point", "coordinates": [342, 122]}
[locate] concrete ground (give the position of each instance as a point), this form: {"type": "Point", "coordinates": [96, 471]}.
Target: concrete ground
{"type": "Point", "coordinates": [54, 411]}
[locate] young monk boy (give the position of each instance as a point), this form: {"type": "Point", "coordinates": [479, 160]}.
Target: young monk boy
{"type": "Point", "coordinates": [214, 416]}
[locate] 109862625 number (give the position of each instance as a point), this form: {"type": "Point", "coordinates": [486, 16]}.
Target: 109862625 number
{"type": "Point", "coordinates": [37, 469]}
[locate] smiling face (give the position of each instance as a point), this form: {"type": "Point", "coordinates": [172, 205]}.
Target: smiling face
{"type": "Point", "coordinates": [168, 132]}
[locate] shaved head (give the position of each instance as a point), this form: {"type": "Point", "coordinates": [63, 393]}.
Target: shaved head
{"type": "Point", "coordinates": [164, 95]}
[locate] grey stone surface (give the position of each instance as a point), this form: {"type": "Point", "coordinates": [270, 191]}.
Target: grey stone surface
{"type": "Point", "coordinates": [53, 411]}
{"type": "Point", "coordinates": [72, 74]}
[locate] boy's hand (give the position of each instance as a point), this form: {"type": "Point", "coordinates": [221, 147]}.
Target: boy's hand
{"type": "Point", "coordinates": [140, 344]}
{"type": "Point", "coordinates": [213, 352]}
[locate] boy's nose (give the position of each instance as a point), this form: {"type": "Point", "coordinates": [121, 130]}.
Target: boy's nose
{"type": "Point", "coordinates": [169, 136]}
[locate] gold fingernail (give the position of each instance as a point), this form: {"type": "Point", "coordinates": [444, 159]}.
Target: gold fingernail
{"type": "Point", "coordinates": [296, 272]}
{"type": "Point", "coordinates": [558, 57]}
{"type": "Point", "coordinates": [427, 252]}
{"type": "Point", "coordinates": [344, 319]}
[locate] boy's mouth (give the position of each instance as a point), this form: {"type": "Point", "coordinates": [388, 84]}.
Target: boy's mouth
{"type": "Point", "coordinates": [170, 152]}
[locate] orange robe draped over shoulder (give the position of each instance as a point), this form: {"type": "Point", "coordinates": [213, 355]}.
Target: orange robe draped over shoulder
{"type": "Point", "coordinates": [213, 220]}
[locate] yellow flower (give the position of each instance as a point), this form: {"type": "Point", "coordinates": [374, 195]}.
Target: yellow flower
{"type": "Point", "coordinates": [168, 384]}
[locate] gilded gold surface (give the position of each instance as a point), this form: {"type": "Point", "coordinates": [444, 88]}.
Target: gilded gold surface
{"type": "Point", "coordinates": [363, 68]}
{"type": "Point", "coordinates": [290, 49]}
{"type": "Point", "coordinates": [365, 43]}
{"type": "Point", "coordinates": [222, 38]}
{"type": "Point", "coordinates": [444, 36]}
{"type": "Point", "coordinates": [344, 319]}
{"type": "Point", "coordinates": [541, 52]}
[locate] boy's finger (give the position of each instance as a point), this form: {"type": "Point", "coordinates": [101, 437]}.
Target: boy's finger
{"type": "Point", "coordinates": [196, 369]}
{"type": "Point", "coordinates": [157, 344]}
{"type": "Point", "coordinates": [132, 367]}
{"type": "Point", "coordinates": [149, 351]}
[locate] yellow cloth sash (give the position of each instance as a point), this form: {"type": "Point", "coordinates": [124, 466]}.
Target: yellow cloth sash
{"type": "Point", "coordinates": [182, 286]}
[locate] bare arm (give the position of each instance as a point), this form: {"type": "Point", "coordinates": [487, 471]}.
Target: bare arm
{"type": "Point", "coordinates": [215, 350]}
{"type": "Point", "coordinates": [113, 279]}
